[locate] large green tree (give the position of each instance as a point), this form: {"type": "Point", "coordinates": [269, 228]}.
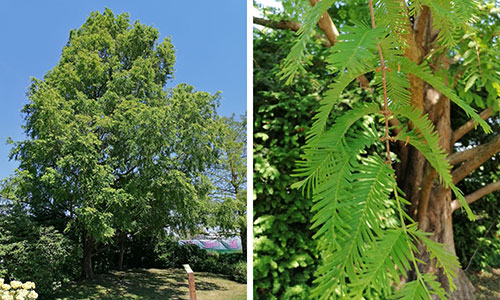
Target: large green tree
{"type": "Point", "coordinates": [108, 149]}
{"type": "Point", "coordinates": [457, 41]}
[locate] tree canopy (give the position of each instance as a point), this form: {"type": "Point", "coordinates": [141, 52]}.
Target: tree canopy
{"type": "Point", "coordinates": [109, 149]}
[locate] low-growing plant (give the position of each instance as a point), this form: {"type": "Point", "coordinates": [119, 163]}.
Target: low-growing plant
{"type": "Point", "coordinates": [16, 290]}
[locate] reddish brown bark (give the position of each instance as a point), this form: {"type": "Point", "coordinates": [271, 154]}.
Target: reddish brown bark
{"type": "Point", "coordinates": [326, 25]}
{"type": "Point", "coordinates": [430, 201]}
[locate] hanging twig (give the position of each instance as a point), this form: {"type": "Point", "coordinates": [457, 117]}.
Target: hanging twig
{"type": "Point", "coordinates": [475, 251]}
{"type": "Point", "coordinates": [386, 111]}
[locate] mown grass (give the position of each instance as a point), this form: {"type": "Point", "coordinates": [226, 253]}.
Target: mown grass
{"type": "Point", "coordinates": [153, 284]}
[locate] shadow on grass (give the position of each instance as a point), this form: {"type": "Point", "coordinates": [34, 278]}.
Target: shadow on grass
{"type": "Point", "coordinates": [143, 284]}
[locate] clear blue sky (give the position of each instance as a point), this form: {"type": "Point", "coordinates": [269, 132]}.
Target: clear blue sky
{"type": "Point", "coordinates": [209, 38]}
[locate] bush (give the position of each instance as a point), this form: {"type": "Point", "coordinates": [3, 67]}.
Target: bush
{"type": "Point", "coordinates": [284, 250]}
{"type": "Point", "coordinates": [44, 256]}
{"type": "Point", "coordinates": [240, 272]}
{"type": "Point", "coordinates": [171, 255]}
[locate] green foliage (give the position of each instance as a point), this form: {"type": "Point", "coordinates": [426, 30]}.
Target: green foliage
{"type": "Point", "coordinates": [477, 244]}
{"type": "Point", "coordinates": [478, 78]}
{"type": "Point", "coordinates": [284, 252]}
{"type": "Point", "coordinates": [320, 152]}
{"type": "Point", "coordinates": [30, 252]}
{"type": "Point", "coordinates": [171, 255]}
{"type": "Point", "coordinates": [350, 187]}
{"type": "Point", "coordinates": [448, 17]}
{"type": "Point", "coordinates": [229, 179]}
{"type": "Point", "coordinates": [107, 145]}
{"type": "Point", "coordinates": [424, 72]}
{"type": "Point", "coordinates": [293, 63]}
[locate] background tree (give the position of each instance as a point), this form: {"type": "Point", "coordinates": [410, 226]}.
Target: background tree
{"type": "Point", "coordinates": [109, 151]}
{"type": "Point", "coordinates": [229, 179]}
{"type": "Point", "coordinates": [420, 193]}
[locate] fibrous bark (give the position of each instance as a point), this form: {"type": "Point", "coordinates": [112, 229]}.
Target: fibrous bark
{"type": "Point", "coordinates": [430, 201]}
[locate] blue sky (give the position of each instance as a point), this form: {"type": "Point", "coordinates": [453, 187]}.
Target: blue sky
{"type": "Point", "coordinates": [209, 38]}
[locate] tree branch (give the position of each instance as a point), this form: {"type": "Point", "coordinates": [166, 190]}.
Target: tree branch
{"type": "Point", "coordinates": [483, 154]}
{"type": "Point", "coordinates": [326, 25]}
{"type": "Point", "coordinates": [425, 194]}
{"type": "Point", "coordinates": [283, 24]}
{"type": "Point", "coordinates": [458, 157]}
{"type": "Point", "coordinates": [478, 194]}
{"type": "Point", "coordinates": [464, 129]}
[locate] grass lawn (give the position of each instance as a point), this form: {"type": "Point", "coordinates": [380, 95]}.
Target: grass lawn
{"type": "Point", "coordinates": [487, 284]}
{"type": "Point", "coordinates": [154, 284]}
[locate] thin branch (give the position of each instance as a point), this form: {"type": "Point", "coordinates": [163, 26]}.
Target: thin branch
{"type": "Point", "coordinates": [458, 157]}
{"type": "Point", "coordinates": [425, 195]}
{"type": "Point", "coordinates": [325, 24]}
{"type": "Point", "coordinates": [386, 111]}
{"type": "Point", "coordinates": [478, 194]}
{"type": "Point", "coordinates": [475, 251]}
{"type": "Point", "coordinates": [464, 129]}
{"type": "Point", "coordinates": [486, 151]}
{"type": "Point", "coordinates": [288, 25]}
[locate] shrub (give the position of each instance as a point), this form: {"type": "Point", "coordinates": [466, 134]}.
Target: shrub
{"type": "Point", "coordinates": [284, 250]}
{"type": "Point", "coordinates": [240, 272]}
{"type": "Point", "coordinates": [45, 257]}
{"type": "Point", "coordinates": [171, 255]}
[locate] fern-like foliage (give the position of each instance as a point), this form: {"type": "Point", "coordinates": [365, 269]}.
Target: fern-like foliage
{"type": "Point", "coordinates": [356, 49]}
{"type": "Point", "coordinates": [393, 14]}
{"type": "Point", "coordinates": [390, 262]}
{"type": "Point", "coordinates": [330, 98]}
{"type": "Point", "coordinates": [426, 140]}
{"type": "Point", "coordinates": [425, 74]}
{"type": "Point", "coordinates": [447, 15]}
{"type": "Point", "coordinates": [444, 257]}
{"type": "Point", "coordinates": [421, 289]}
{"type": "Point", "coordinates": [297, 56]}
{"type": "Point", "coordinates": [341, 165]}
{"type": "Point", "coordinates": [359, 206]}
{"type": "Point", "coordinates": [319, 154]}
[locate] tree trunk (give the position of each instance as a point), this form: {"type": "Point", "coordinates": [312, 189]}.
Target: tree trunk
{"type": "Point", "coordinates": [243, 236]}
{"type": "Point", "coordinates": [122, 250]}
{"type": "Point", "coordinates": [88, 247]}
{"type": "Point", "coordinates": [439, 221]}
{"type": "Point", "coordinates": [430, 201]}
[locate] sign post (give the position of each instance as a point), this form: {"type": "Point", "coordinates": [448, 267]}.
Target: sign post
{"type": "Point", "coordinates": [192, 290]}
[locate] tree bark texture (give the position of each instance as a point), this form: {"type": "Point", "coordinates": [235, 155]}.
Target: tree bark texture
{"type": "Point", "coordinates": [88, 247]}
{"type": "Point", "coordinates": [430, 201]}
